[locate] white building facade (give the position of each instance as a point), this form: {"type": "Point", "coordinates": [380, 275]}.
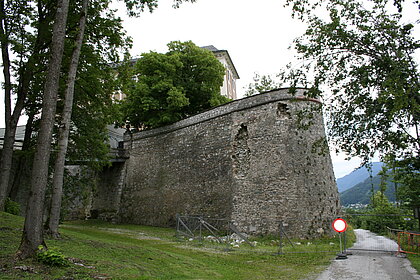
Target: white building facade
{"type": "Point", "coordinates": [228, 88]}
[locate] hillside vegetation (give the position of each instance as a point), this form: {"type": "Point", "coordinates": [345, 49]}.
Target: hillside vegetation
{"type": "Point", "coordinates": [361, 193]}
{"type": "Point", "coordinates": [357, 176]}
{"type": "Point", "coordinates": [98, 250]}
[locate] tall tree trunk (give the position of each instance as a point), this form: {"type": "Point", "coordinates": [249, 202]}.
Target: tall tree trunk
{"type": "Point", "coordinates": [9, 136]}
{"type": "Point", "coordinates": [25, 76]}
{"type": "Point", "coordinates": [65, 129]}
{"type": "Point", "coordinates": [32, 235]}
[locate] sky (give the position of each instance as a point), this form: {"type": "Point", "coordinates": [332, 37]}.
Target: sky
{"type": "Point", "coordinates": [257, 35]}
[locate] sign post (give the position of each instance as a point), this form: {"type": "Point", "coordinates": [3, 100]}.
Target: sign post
{"type": "Point", "coordinates": [340, 226]}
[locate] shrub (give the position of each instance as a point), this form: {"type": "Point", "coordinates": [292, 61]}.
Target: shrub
{"type": "Point", "coordinates": [12, 207]}
{"type": "Point", "coordinates": [380, 216]}
{"type": "Point", "coordinates": [51, 257]}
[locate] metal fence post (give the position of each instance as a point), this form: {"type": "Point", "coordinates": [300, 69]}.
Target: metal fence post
{"type": "Point", "coordinates": [177, 225]}
{"type": "Point", "coordinates": [280, 252]}
{"type": "Point", "coordinates": [344, 242]}
{"type": "Point", "coordinates": [229, 233]}
{"type": "Point", "coordinates": [201, 225]}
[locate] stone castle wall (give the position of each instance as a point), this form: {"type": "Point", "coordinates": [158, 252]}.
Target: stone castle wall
{"type": "Point", "coordinates": [254, 161]}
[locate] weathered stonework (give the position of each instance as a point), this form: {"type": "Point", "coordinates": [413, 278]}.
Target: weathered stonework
{"type": "Point", "coordinates": [107, 199]}
{"type": "Point", "coordinates": [253, 161]}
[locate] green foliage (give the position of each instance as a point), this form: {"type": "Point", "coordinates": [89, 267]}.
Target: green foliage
{"type": "Point", "coordinates": [261, 84]}
{"type": "Point", "coordinates": [96, 82]}
{"type": "Point", "coordinates": [384, 176]}
{"type": "Point", "coordinates": [165, 88]}
{"type": "Point", "coordinates": [51, 257]}
{"type": "Point", "coordinates": [11, 207]}
{"type": "Point", "coordinates": [407, 175]}
{"type": "Point", "coordinates": [104, 41]}
{"type": "Point", "coordinates": [362, 192]}
{"type": "Point", "coordinates": [136, 7]}
{"type": "Point", "coordinates": [380, 216]}
{"type": "Point", "coordinates": [28, 26]}
{"type": "Point", "coordinates": [362, 59]}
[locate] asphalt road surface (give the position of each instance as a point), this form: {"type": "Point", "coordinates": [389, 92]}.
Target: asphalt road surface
{"type": "Point", "coordinates": [371, 265]}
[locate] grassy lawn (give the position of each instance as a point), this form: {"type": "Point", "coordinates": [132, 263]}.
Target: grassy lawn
{"type": "Point", "coordinates": [99, 250]}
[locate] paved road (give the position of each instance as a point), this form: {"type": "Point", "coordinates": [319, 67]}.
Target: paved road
{"type": "Point", "coordinates": [365, 265]}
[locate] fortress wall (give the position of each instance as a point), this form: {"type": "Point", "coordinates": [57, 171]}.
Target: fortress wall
{"type": "Point", "coordinates": [186, 171]}
{"type": "Point", "coordinates": [247, 160]}
{"type": "Point", "coordinates": [286, 179]}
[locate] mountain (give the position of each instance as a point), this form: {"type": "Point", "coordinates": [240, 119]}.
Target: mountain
{"type": "Point", "coordinates": [361, 192]}
{"type": "Point", "coordinates": [357, 176]}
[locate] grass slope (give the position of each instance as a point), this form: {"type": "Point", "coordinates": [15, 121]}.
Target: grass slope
{"type": "Point", "coordinates": [100, 250]}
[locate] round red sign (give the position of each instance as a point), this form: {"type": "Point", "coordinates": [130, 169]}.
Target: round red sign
{"type": "Point", "coordinates": [339, 225]}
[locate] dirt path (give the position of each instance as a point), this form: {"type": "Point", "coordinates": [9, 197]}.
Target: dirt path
{"type": "Point", "coordinates": [366, 265]}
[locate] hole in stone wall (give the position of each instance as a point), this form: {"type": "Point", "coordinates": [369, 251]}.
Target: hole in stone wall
{"type": "Point", "coordinates": [283, 111]}
{"type": "Point", "coordinates": [241, 152]}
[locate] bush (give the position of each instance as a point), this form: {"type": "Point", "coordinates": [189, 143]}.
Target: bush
{"type": "Point", "coordinates": [380, 216]}
{"type": "Point", "coordinates": [12, 207]}
{"type": "Point", "coordinates": [51, 257]}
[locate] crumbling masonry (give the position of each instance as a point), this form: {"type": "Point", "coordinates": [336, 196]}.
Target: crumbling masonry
{"type": "Point", "coordinates": [255, 161]}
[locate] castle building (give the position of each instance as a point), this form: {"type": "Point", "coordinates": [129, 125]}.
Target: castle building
{"type": "Point", "coordinates": [231, 75]}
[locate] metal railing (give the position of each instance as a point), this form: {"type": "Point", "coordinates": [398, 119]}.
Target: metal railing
{"type": "Point", "coordinates": [409, 242]}
{"type": "Point", "coordinates": [224, 235]}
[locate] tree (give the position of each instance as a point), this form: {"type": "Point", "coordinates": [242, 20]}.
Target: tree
{"type": "Point", "coordinates": [384, 215]}
{"type": "Point", "coordinates": [362, 60]}
{"type": "Point", "coordinates": [33, 233]}
{"type": "Point", "coordinates": [104, 40]}
{"type": "Point", "coordinates": [261, 84]}
{"type": "Point", "coordinates": [64, 129]}
{"type": "Point", "coordinates": [407, 176]}
{"type": "Point", "coordinates": [359, 57]}
{"type": "Point", "coordinates": [168, 87]}
{"type": "Point", "coordinates": [383, 185]}
{"type": "Point", "coordinates": [26, 33]}
{"type": "Point", "coordinates": [28, 47]}
{"type": "Point", "coordinates": [85, 134]}
{"type": "Point", "coordinates": [6, 157]}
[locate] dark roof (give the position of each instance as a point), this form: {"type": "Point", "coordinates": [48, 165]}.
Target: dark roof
{"type": "Point", "coordinates": [210, 48]}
